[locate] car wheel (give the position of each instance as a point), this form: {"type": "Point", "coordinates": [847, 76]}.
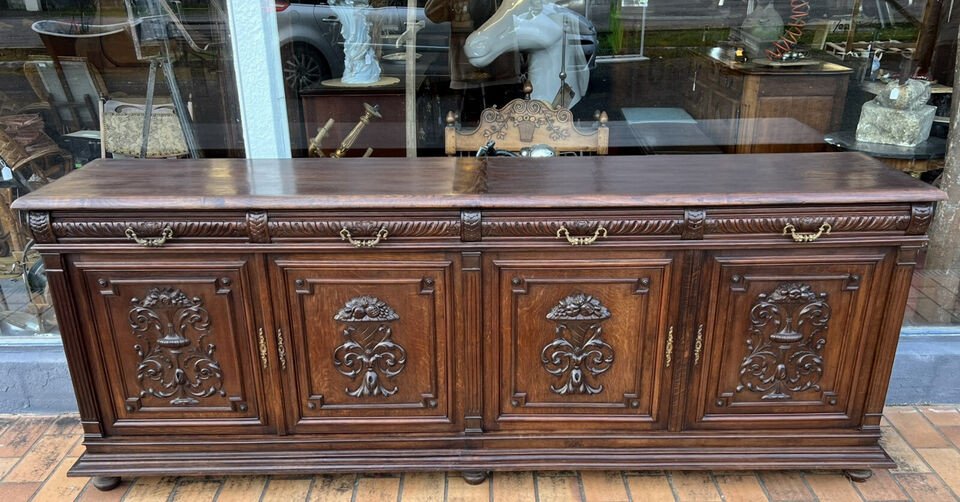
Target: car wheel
{"type": "Point", "coordinates": [303, 66]}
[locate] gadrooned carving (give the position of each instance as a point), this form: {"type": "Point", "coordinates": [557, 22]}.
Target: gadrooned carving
{"type": "Point", "coordinates": [176, 360]}
{"type": "Point", "coordinates": [759, 225]}
{"type": "Point", "coordinates": [369, 351]}
{"type": "Point", "coordinates": [578, 355]}
{"type": "Point", "coordinates": [116, 229]}
{"type": "Point", "coordinates": [426, 228]}
{"type": "Point", "coordinates": [494, 228]}
{"type": "Point", "coordinates": [785, 343]}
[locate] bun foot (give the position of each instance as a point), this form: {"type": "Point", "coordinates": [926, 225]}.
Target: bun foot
{"type": "Point", "coordinates": [474, 477]}
{"type": "Point", "coordinates": [858, 475]}
{"type": "Point", "coordinates": [106, 483]}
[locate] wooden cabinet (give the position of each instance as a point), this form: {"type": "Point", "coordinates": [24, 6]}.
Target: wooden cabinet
{"type": "Point", "coordinates": [454, 314]}
{"type": "Point", "coordinates": [751, 108]}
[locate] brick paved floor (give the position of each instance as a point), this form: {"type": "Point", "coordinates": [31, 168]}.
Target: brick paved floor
{"type": "Point", "coordinates": [36, 451]}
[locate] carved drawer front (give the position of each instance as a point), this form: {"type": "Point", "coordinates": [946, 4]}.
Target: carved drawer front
{"type": "Point", "coordinates": [368, 347]}
{"type": "Point", "coordinates": [581, 228]}
{"type": "Point", "coordinates": [173, 339]}
{"type": "Point", "coordinates": [582, 341]}
{"type": "Point", "coordinates": [787, 340]}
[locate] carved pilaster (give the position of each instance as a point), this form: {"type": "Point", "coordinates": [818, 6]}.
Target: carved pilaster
{"type": "Point", "coordinates": [921, 215]}
{"type": "Point", "coordinates": [693, 224]}
{"type": "Point", "coordinates": [257, 226]}
{"type": "Point", "coordinates": [39, 222]}
{"type": "Point", "coordinates": [471, 229]}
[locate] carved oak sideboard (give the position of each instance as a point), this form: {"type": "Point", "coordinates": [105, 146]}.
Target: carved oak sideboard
{"type": "Point", "coordinates": [700, 312]}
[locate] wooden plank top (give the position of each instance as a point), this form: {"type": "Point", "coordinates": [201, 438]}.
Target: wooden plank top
{"type": "Point", "coordinates": [581, 182]}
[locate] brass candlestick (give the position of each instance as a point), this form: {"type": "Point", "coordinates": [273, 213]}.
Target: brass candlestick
{"type": "Point", "coordinates": [314, 148]}
{"type": "Point", "coordinates": [370, 111]}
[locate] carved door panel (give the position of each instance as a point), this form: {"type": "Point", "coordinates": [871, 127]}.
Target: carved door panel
{"type": "Point", "coordinates": [369, 342]}
{"type": "Point", "coordinates": [174, 338]}
{"type": "Point", "coordinates": [582, 342]}
{"type": "Point", "coordinates": [786, 340]}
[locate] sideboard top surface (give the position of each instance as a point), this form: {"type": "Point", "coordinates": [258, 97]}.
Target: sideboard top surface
{"type": "Point", "coordinates": [446, 183]}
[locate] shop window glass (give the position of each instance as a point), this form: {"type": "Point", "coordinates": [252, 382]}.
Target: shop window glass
{"type": "Point", "coordinates": [382, 78]}
{"type": "Point", "coordinates": [75, 79]}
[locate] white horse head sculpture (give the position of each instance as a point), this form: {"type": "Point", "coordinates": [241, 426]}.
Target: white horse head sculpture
{"type": "Point", "coordinates": [540, 29]}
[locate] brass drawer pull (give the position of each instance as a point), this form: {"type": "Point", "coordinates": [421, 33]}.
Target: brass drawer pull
{"type": "Point", "coordinates": [165, 234]}
{"type": "Point", "coordinates": [281, 350]}
{"type": "Point", "coordinates": [363, 243]}
{"type": "Point", "coordinates": [806, 236]}
{"type": "Point", "coordinates": [698, 346]}
{"type": "Point", "coordinates": [562, 232]}
{"type": "Point", "coordinates": [262, 345]}
{"type": "Point", "coordinates": [669, 351]}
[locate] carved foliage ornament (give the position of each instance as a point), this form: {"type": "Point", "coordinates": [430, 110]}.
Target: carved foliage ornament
{"type": "Point", "coordinates": [369, 351]}
{"type": "Point", "coordinates": [785, 342]}
{"type": "Point", "coordinates": [176, 361]}
{"type": "Point", "coordinates": [578, 355]}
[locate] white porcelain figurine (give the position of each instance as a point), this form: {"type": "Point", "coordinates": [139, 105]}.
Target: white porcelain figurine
{"type": "Point", "coordinates": [360, 65]}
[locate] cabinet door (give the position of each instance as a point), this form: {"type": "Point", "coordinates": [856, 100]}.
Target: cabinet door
{"type": "Point", "coordinates": [368, 342]}
{"type": "Point", "coordinates": [787, 338]}
{"type": "Point", "coordinates": [582, 341]}
{"type": "Point", "coordinates": [174, 340]}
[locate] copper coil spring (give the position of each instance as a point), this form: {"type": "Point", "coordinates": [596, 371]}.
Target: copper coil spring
{"type": "Point", "coordinates": [800, 9]}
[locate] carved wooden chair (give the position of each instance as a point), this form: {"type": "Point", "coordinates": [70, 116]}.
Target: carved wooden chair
{"type": "Point", "coordinates": [525, 123]}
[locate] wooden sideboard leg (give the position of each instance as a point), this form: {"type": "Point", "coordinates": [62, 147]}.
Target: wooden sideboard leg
{"type": "Point", "coordinates": [106, 483]}
{"type": "Point", "coordinates": [858, 475]}
{"type": "Point", "coordinates": [475, 477]}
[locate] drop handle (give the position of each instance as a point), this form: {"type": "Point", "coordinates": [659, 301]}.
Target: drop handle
{"type": "Point", "coordinates": [563, 233]}
{"type": "Point", "coordinates": [364, 243]}
{"type": "Point", "coordinates": [791, 230]}
{"type": "Point", "coordinates": [165, 235]}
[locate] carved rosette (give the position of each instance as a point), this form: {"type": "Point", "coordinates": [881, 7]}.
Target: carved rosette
{"type": "Point", "coordinates": [176, 362]}
{"type": "Point", "coordinates": [578, 355]}
{"type": "Point", "coordinates": [369, 351]}
{"type": "Point", "coordinates": [785, 343]}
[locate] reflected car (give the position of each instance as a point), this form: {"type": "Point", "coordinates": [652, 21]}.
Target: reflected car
{"type": "Point", "coordinates": [311, 47]}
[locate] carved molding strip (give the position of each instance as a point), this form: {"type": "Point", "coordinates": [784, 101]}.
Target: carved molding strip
{"type": "Point", "coordinates": [785, 342]}
{"type": "Point", "coordinates": [549, 228]}
{"type": "Point", "coordinates": [257, 226]}
{"type": "Point", "coordinates": [369, 351]}
{"type": "Point", "coordinates": [921, 215]}
{"type": "Point", "coordinates": [39, 222]}
{"type": "Point", "coordinates": [761, 225]}
{"type": "Point", "coordinates": [430, 228]}
{"type": "Point", "coordinates": [116, 229]}
{"type": "Point", "coordinates": [577, 355]}
{"type": "Point", "coordinates": [176, 361]}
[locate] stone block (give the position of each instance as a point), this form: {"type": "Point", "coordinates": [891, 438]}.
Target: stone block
{"type": "Point", "coordinates": [894, 127]}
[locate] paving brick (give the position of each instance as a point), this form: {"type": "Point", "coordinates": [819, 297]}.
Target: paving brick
{"type": "Point", "coordinates": [458, 490]}
{"type": "Point", "coordinates": [786, 485]}
{"type": "Point", "coordinates": [695, 486]}
{"type": "Point", "coordinates": [906, 457]}
{"type": "Point", "coordinates": [946, 463]}
{"type": "Point", "coordinates": [42, 459]}
{"type": "Point", "coordinates": [832, 487]}
{"type": "Point", "coordinates": [19, 437]}
{"type": "Point", "coordinates": [558, 488]}
{"type": "Point", "coordinates": [603, 486]}
{"type": "Point", "coordinates": [650, 488]}
{"type": "Point", "coordinates": [514, 486]}
{"type": "Point", "coordinates": [196, 490]}
{"type": "Point", "coordinates": [737, 487]}
{"type": "Point", "coordinates": [914, 427]}
{"type": "Point", "coordinates": [880, 486]}
{"type": "Point", "coordinates": [17, 492]}
{"type": "Point", "coordinates": [377, 489]}
{"type": "Point", "coordinates": [281, 489]}
{"type": "Point", "coordinates": [333, 488]}
{"type": "Point", "coordinates": [924, 487]}
{"type": "Point", "coordinates": [59, 486]}
{"type": "Point", "coordinates": [151, 489]}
